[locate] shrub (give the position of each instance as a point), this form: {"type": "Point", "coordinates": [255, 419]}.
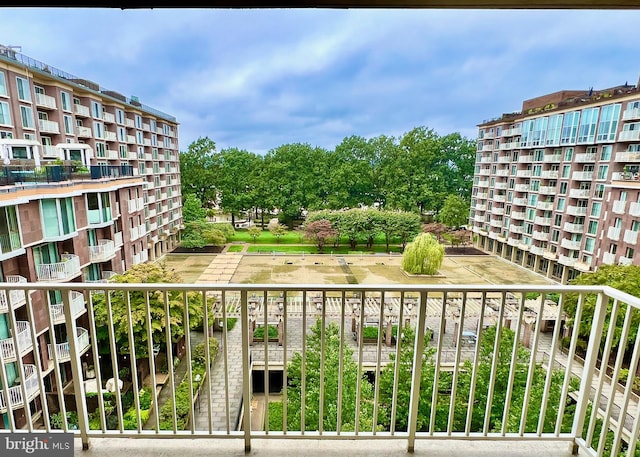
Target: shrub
{"type": "Point", "coordinates": [271, 333]}
{"type": "Point", "coordinates": [370, 332]}
{"type": "Point", "coordinates": [226, 228]}
{"type": "Point", "coordinates": [57, 421]}
{"type": "Point", "coordinates": [198, 355]}
{"type": "Point", "coordinates": [231, 322]}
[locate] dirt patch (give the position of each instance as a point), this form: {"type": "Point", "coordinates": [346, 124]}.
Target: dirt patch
{"type": "Point", "coordinates": [204, 250]}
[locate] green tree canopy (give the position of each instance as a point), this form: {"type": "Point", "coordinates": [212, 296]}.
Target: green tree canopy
{"type": "Point", "coordinates": [197, 170]}
{"type": "Point", "coordinates": [455, 211]}
{"type": "Point", "coordinates": [192, 209]}
{"type": "Point", "coordinates": [423, 255]}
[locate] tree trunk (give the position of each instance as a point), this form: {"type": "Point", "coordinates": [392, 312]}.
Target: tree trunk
{"type": "Point", "coordinates": [233, 220]}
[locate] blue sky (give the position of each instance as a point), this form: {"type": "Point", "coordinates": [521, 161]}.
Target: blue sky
{"type": "Point", "coordinates": [256, 79]}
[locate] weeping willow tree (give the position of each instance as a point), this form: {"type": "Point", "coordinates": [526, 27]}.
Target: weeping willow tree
{"type": "Point", "coordinates": [423, 255]}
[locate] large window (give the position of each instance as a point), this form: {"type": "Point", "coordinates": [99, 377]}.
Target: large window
{"type": "Point", "coordinates": [588, 122]}
{"type": "Point", "coordinates": [609, 122]}
{"type": "Point", "coordinates": [9, 230]}
{"type": "Point", "coordinates": [596, 208]}
{"type": "Point", "coordinates": [570, 127]}
{"type": "Point", "coordinates": [24, 92]}
{"type": "Point", "coordinates": [98, 129]}
{"type": "Point", "coordinates": [539, 131]}
{"type": "Point", "coordinates": [3, 84]}
{"type": "Point", "coordinates": [27, 117]}
{"type": "Point", "coordinates": [96, 110]}
{"type": "Point", "coordinates": [5, 115]}
{"type": "Point", "coordinates": [66, 101]}
{"type": "Point", "coordinates": [554, 130]}
{"type": "Point", "coordinates": [57, 216]}
{"type": "Point", "coordinates": [99, 207]}
{"type": "Point", "coordinates": [68, 125]}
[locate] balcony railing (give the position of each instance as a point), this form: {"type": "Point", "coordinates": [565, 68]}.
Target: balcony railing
{"type": "Point", "coordinates": [13, 397]}
{"type": "Point", "coordinates": [45, 101]}
{"type": "Point", "coordinates": [570, 244]}
{"type": "Point", "coordinates": [48, 126]}
{"type": "Point", "coordinates": [619, 206]}
{"type": "Point", "coordinates": [15, 175]}
{"type": "Point", "coordinates": [630, 236]}
{"type": "Point", "coordinates": [14, 298]}
{"type": "Point", "coordinates": [447, 386]}
{"type": "Point", "coordinates": [625, 261]}
{"type": "Point", "coordinates": [63, 351]}
{"type": "Point", "coordinates": [103, 251]}
{"type": "Point", "coordinates": [8, 346]}
{"type": "Point", "coordinates": [61, 271]}
{"type": "Point", "coordinates": [77, 305]}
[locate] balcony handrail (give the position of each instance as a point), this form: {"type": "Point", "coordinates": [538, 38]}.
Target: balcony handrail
{"type": "Point", "coordinates": [420, 301]}
{"type": "Point", "coordinates": [15, 398]}
{"type": "Point", "coordinates": [7, 346]}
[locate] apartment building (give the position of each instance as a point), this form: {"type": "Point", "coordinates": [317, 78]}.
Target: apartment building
{"type": "Point", "coordinates": [557, 185]}
{"type": "Point", "coordinates": [89, 186]}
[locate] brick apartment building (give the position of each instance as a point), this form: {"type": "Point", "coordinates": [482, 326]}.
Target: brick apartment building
{"type": "Point", "coordinates": [89, 186]}
{"type": "Point", "coordinates": [557, 186]}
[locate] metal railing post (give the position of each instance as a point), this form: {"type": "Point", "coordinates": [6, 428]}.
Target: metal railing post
{"type": "Point", "coordinates": [417, 371]}
{"type": "Point", "coordinates": [246, 371]}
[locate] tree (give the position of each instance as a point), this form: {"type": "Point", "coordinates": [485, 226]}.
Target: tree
{"type": "Point", "coordinates": [149, 273]}
{"type": "Point", "coordinates": [400, 224]}
{"type": "Point", "coordinates": [435, 228]}
{"type": "Point", "coordinates": [313, 379]}
{"type": "Point", "coordinates": [197, 170]}
{"type": "Point", "coordinates": [236, 180]}
{"type": "Point", "coordinates": [454, 212]}
{"type": "Point", "coordinates": [200, 233]}
{"type": "Point", "coordinates": [423, 255]}
{"type": "Point", "coordinates": [319, 232]}
{"type": "Point", "coordinates": [192, 209]}
{"type": "Point", "coordinates": [277, 230]}
{"type": "Point", "coordinates": [625, 278]}
{"type": "Point", "coordinates": [254, 232]}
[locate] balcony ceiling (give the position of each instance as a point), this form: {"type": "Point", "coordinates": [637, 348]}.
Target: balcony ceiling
{"type": "Point", "coordinates": [435, 4]}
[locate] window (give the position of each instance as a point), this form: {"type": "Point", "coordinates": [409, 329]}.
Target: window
{"type": "Point", "coordinates": [603, 171]}
{"type": "Point", "coordinates": [98, 207]}
{"type": "Point", "coordinates": [122, 134]}
{"type": "Point", "coordinates": [561, 203]}
{"type": "Point", "coordinates": [138, 119]}
{"type": "Point", "coordinates": [557, 221]}
{"type": "Point", "coordinates": [9, 231]}
{"type": "Point", "coordinates": [152, 124]}
{"type": "Point", "coordinates": [599, 191]}
{"type": "Point", "coordinates": [66, 101]}
{"type": "Point", "coordinates": [24, 91]}
{"type": "Point", "coordinates": [554, 130]}
{"type": "Point", "coordinates": [68, 125]}
{"type": "Point", "coordinates": [605, 154]}
{"type": "Point", "coordinates": [563, 188]}
{"type": "Point", "coordinates": [531, 214]}
{"type": "Point", "coordinates": [595, 209]}
{"type": "Point", "coordinates": [27, 117]}
{"type": "Point", "coordinates": [587, 129]}
{"type": "Point", "coordinates": [100, 150]}
{"type": "Point", "coordinates": [57, 216]}
{"type": "Point", "coordinates": [608, 122]}
{"type": "Point", "coordinates": [124, 154]}
{"type": "Point", "coordinates": [589, 244]}
{"type": "Point", "coordinates": [570, 127]}
{"type": "Point", "coordinates": [568, 154]}
{"type": "Point", "coordinates": [539, 131]}
{"type": "Point", "coordinates": [593, 228]}
{"type": "Point", "coordinates": [555, 235]}
{"type": "Point", "coordinates": [139, 137]}
{"type": "Point", "coordinates": [98, 129]}
{"type": "Point", "coordinates": [3, 84]}
{"type": "Point", "coordinates": [96, 110]}
{"type": "Point", "coordinates": [119, 116]}
{"type": "Point", "coordinates": [635, 226]}
{"type": "Point", "coordinates": [5, 115]}
{"type": "Point", "coordinates": [566, 171]}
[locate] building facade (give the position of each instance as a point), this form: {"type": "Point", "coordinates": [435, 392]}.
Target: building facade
{"type": "Point", "coordinates": [89, 186]}
{"type": "Point", "coordinates": [557, 186]}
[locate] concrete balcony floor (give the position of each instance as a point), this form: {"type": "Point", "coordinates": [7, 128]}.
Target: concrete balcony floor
{"type": "Point", "coordinates": [319, 448]}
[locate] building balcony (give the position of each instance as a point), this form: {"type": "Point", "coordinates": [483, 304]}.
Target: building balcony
{"type": "Point", "coordinates": [45, 101]}
{"type": "Point", "coordinates": [81, 110]}
{"type": "Point", "coordinates": [547, 190]}
{"type": "Point", "coordinates": [540, 236]}
{"type": "Point", "coordinates": [577, 210]}
{"type": "Point", "coordinates": [48, 126]}
{"type": "Point", "coordinates": [571, 244]}
{"type": "Point", "coordinates": [631, 114]}
{"type": "Point", "coordinates": [619, 206]}
{"type": "Point", "coordinates": [516, 131]}
{"type": "Point", "coordinates": [117, 239]}
{"type": "Point", "coordinates": [550, 255]}
{"type": "Point", "coordinates": [545, 206]}
{"type": "Point", "coordinates": [110, 136]}
{"type": "Point", "coordinates": [634, 209]}
{"type": "Point", "coordinates": [498, 185]}
{"type": "Point", "coordinates": [625, 261]}
{"type": "Point", "coordinates": [573, 228]}
{"type": "Point", "coordinates": [554, 158]}
{"type": "Point", "coordinates": [25, 344]}
{"type": "Point", "coordinates": [83, 132]}
{"type": "Point", "coordinates": [483, 183]}
{"type": "Point", "coordinates": [12, 398]}
{"type": "Point", "coordinates": [513, 241]}
{"type": "Point", "coordinates": [515, 228]}
{"type": "Point", "coordinates": [108, 118]}
{"type": "Point", "coordinates": [63, 351]}
{"type": "Point", "coordinates": [10, 242]}
{"type": "Point", "coordinates": [567, 261]}
{"type": "Point", "coordinates": [608, 258]}
{"type": "Point", "coordinates": [549, 174]}
{"type": "Point", "coordinates": [517, 215]}
{"type": "Point", "coordinates": [537, 250]}
{"type": "Point", "coordinates": [579, 193]}
{"type": "Point", "coordinates": [496, 223]}
{"type": "Point", "coordinates": [482, 195]}
{"type": "Point", "coordinates": [13, 298]}
{"type": "Point", "coordinates": [628, 157]}
{"type": "Point", "coordinates": [103, 251]}
{"type": "Point", "coordinates": [65, 270]}
{"type": "Point", "coordinates": [131, 139]}
{"type": "Point", "coordinates": [525, 158]}
{"type": "Point", "coordinates": [586, 157]}
{"type": "Point", "coordinates": [629, 135]}
{"type": "Point", "coordinates": [77, 305]}
{"type": "Point", "coordinates": [504, 159]}
{"type": "Point", "coordinates": [523, 173]}
{"type": "Point", "coordinates": [496, 198]}
{"type": "Point", "coordinates": [522, 187]}
{"type": "Point", "coordinates": [112, 154]}
{"type": "Point", "coordinates": [582, 266]}
{"type": "Point", "coordinates": [520, 201]}
{"type": "Point", "coordinates": [582, 175]}
{"type": "Point", "coordinates": [539, 220]}
{"type": "Point", "coordinates": [630, 237]}
{"type": "Point", "coordinates": [613, 233]}
{"type": "Point", "coordinates": [502, 173]}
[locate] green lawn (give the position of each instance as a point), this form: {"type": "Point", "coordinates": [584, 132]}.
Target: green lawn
{"type": "Point", "coordinates": [235, 248]}
{"type": "Point", "coordinates": [267, 238]}
{"type": "Point", "coordinates": [310, 249]}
